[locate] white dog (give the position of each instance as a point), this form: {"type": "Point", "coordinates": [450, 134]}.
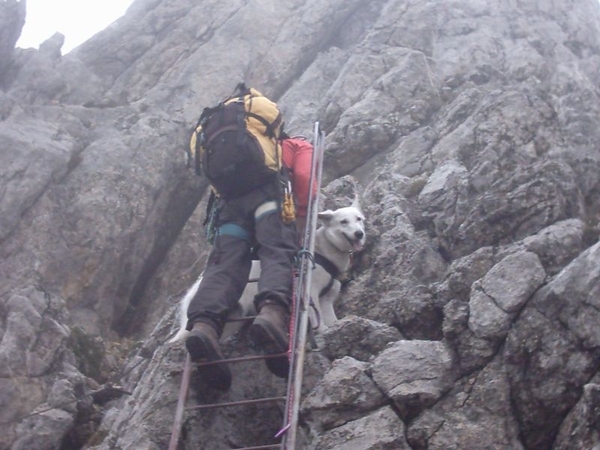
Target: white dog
{"type": "Point", "coordinates": [342, 234]}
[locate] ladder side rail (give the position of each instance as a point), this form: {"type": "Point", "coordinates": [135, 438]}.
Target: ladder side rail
{"type": "Point", "coordinates": [183, 393]}
{"type": "Point", "coordinates": [303, 295]}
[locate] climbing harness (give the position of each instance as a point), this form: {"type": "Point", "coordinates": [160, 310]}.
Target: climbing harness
{"type": "Point", "coordinates": [301, 302]}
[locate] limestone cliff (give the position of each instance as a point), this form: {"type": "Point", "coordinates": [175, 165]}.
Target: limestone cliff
{"type": "Point", "coordinates": [470, 130]}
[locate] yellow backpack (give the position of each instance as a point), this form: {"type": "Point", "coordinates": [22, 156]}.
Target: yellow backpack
{"type": "Point", "coordinates": [236, 143]}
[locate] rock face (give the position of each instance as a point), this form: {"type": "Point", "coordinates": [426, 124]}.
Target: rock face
{"type": "Point", "coordinates": [470, 131]}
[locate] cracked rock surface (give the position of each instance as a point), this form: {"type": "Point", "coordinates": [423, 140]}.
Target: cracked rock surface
{"type": "Point", "coordinates": [469, 130]}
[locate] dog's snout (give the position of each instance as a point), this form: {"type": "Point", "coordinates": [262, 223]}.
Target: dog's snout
{"type": "Point", "coordinates": [359, 234]}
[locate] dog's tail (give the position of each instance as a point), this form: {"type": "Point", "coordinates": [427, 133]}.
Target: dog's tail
{"type": "Point", "coordinates": [182, 313]}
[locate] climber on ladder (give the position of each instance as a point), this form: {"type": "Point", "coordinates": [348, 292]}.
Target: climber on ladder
{"type": "Point", "coordinates": [252, 167]}
{"type": "Point", "coordinates": [252, 208]}
{"type": "Point", "coordinates": [303, 162]}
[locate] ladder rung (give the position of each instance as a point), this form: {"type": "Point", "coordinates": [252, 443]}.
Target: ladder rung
{"type": "Point", "coordinates": [238, 403]}
{"type": "Point", "coordinates": [240, 359]}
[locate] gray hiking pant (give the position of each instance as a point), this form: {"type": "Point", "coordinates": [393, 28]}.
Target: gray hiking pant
{"type": "Point", "coordinates": [240, 228]}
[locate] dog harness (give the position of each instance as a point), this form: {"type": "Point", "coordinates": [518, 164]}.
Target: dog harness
{"type": "Point", "coordinates": [331, 269]}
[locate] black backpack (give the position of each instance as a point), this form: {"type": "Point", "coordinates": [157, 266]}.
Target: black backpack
{"type": "Point", "coordinates": [236, 143]}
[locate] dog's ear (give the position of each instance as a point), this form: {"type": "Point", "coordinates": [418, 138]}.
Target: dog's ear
{"type": "Point", "coordinates": [356, 203]}
{"type": "Point", "coordinates": [326, 216]}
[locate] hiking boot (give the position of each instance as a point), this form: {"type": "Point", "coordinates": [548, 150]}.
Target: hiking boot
{"type": "Point", "coordinates": [203, 346]}
{"type": "Point", "coordinates": [269, 335]}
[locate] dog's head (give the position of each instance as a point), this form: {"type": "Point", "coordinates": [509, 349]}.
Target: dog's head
{"type": "Point", "coordinates": [345, 227]}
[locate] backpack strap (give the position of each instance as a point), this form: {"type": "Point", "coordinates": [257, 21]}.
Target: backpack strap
{"type": "Point", "coordinates": [270, 127]}
{"type": "Point", "coordinates": [241, 90]}
{"type": "Point", "coordinates": [206, 113]}
{"type": "Point", "coordinates": [220, 130]}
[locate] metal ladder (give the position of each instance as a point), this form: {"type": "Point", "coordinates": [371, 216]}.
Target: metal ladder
{"type": "Point", "coordinates": [298, 332]}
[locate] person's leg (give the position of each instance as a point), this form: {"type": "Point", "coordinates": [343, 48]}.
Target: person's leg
{"type": "Point", "coordinates": [276, 250]}
{"type": "Point", "coordinates": [224, 278]}
{"type": "Point", "coordinates": [222, 284]}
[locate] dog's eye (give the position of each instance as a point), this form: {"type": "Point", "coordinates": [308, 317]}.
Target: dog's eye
{"type": "Point", "coordinates": [359, 219]}
{"type": "Point", "coordinates": [344, 221]}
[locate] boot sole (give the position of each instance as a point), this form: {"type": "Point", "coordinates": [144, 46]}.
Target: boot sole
{"type": "Point", "coordinates": [265, 340]}
{"type": "Point", "coordinates": [217, 376]}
